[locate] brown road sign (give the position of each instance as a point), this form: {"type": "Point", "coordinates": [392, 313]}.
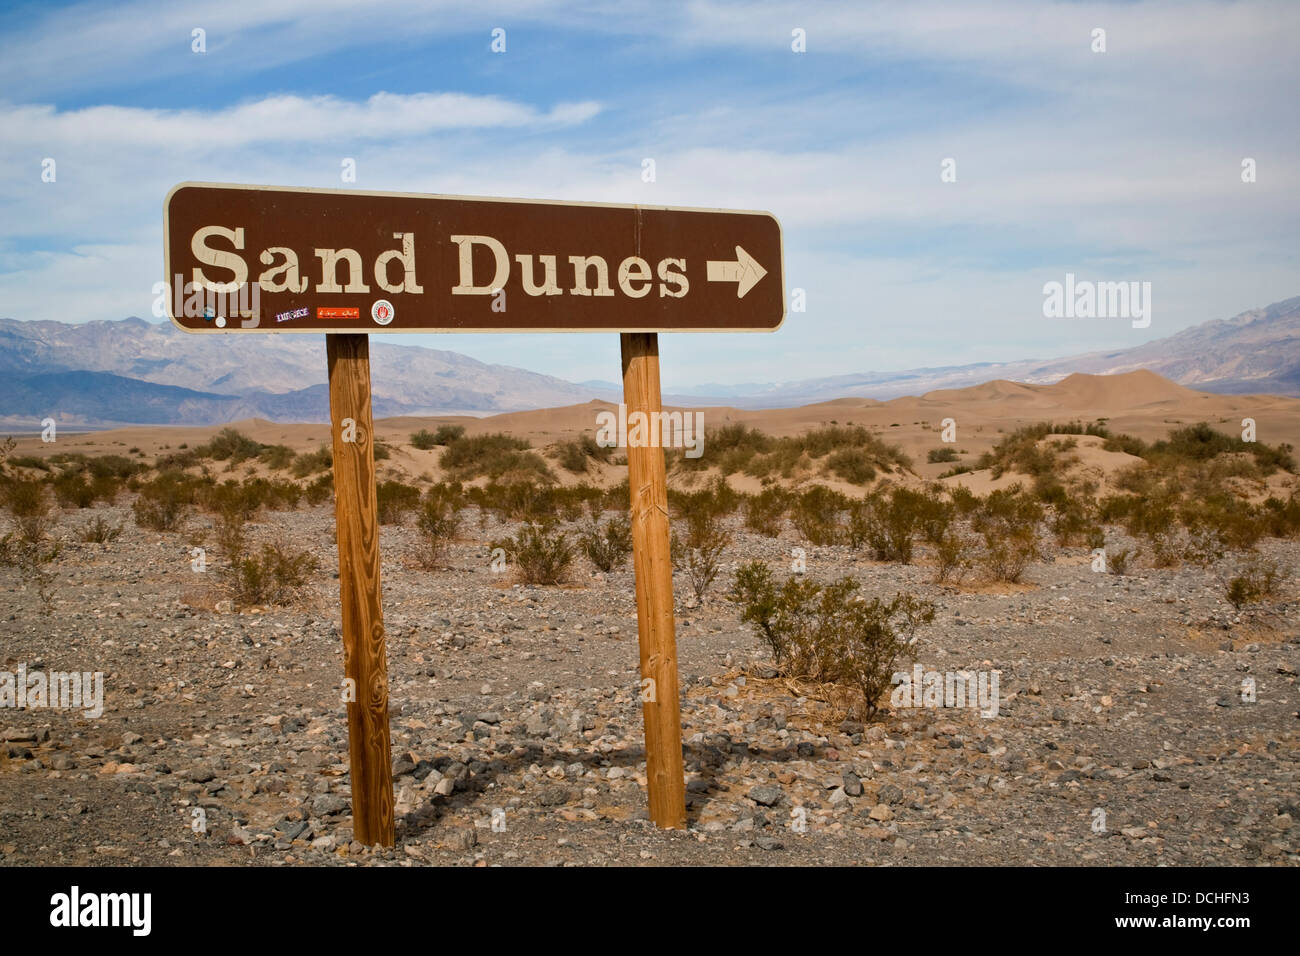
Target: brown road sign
{"type": "Point", "coordinates": [267, 259]}
{"type": "Point", "coordinates": [262, 259]}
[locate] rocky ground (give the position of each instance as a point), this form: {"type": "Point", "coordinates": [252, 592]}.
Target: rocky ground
{"type": "Point", "coordinates": [1117, 693]}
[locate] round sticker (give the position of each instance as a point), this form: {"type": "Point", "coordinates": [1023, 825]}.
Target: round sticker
{"type": "Point", "coordinates": [382, 311]}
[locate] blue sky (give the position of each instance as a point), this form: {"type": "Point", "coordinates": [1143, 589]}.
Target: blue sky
{"type": "Point", "coordinates": [1122, 165]}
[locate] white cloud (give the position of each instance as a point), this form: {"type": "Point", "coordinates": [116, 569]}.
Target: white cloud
{"type": "Point", "coordinates": [284, 119]}
{"type": "Point", "coordinates": [1067, 160]}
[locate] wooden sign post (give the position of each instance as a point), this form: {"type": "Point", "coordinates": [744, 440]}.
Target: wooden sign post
{"type": "Point", "coordinates": [653, 566]}
{"type": "Point", "coordinates": [266, 259]}
{"type": "Point", "coordinates": [365, 659]}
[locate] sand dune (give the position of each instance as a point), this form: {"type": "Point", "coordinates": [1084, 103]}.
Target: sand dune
{"type": "Point", "coordinates": [1139, 403]}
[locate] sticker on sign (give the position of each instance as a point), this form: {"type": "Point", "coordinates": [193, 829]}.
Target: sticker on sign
{"type": "Point", "coordinates": [328, 260]}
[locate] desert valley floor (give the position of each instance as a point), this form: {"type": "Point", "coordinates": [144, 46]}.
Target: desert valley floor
{"type": "Point", "coordinates": [1122, 737]}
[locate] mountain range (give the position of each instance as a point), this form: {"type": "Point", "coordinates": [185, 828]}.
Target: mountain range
{"type": "Point", "coordinates": [130, 371]}
{"type": "Point", "coordinates": [1256, 352]}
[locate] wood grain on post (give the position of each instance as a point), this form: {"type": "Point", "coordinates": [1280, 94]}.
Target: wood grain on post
{"type": "Point", "coordinates": [654, 589]}
{"type": "Point", "coordinates": [365, 660]}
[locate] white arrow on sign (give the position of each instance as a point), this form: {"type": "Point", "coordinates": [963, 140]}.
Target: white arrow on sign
{"type": "Point", "coordinates": [745, 272]}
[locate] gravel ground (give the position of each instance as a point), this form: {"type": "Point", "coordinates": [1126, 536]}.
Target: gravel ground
{"type": "Point", "coordinates": [1120, 704]}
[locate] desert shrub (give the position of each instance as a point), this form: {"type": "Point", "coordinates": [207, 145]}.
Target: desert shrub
{"type": "Point", "coordinates": [73, 490]}
{"type": "Point", "coordinates": [1008, 522]}
{"type": "Point", "coordinates": [1257, 578]}
{"type": "Point", "coordinates": [281, 494]}
{"type": "Point", "coordinates": [731, 448]}
{"type": "Point", "coordinates": [934, 515]}
{"type": "Point", "coordinates": [964, 500]}
{"type": "Point", "coordinates": [606, 545]}
{"type": "Point", "coordinates": [164, 503]}
{"type": "Point", "coordinates": [423, 440]}
{"type": "Point", "coordinates": [951, 556]}
{"type": "Point", "coordinates": [957, 470]}
{"type": "Point", "coordinates": [320, 490]}
{"type": "Point", "coordinates": [438, 522]}
{"type": "Point", "coordinates": [1140, 479]}
{"type": "Point", "coordinates": [176, 461]}
{"type": "Point", "coordinates": [1127, 444]}
{"type": "Point", "coordinates": [1118, 560]}
{"type": "Point", "coordinates": [231, 496]}
{"type": "Point", "coordinates": [1236, 523]}
{"type": "Point", "coordinates": [231, 445]}
{"type": "Point", "coordinates": [1271, 458]}
{"type": "Point", "coordinates": [780, 617]}
{"type": "Point", "coordinates": [937, 455]}
{"type": "Point", "coordinates": [29, 551]}
{"type": "Point", "coordinates": [117, 467]}
{"type": "Point", "coordinates": [517, 500]}
{"type": "Point", "coordinates": [828, 633]}
{"type": "Point", "coordinates": [1198, 461]}
{"type": "Point", "coordinates": [275, 576]}
{"type": "Point", "coordinates": [1048, 489]}
{"type": "Point", "coordinates": [29, 503]}
{"type": "Point", "coordinates": [576, 455]}
{"type": "Point", "coordinates": [817, 514]}
{"type": "Point", "coordinates": [33, 462]}
{"type": "Point", "coordinates": [577, 500]}
{"type": "Point", "coordinates": [889, 522]}
{"type": "Point", "coordinates": [381, 451]}
{"type": "Point", "coordinates": [1281, 519]}
{"type": "Point", "coordinates": [855, 465]}
{"type": "Point", "coordinates": [446, 434]}
{"type": "Point", "coordinates": [1153, 520]}
{"type": "Point", "coordinates": [309, 463]}
{"type": "Point", "coordinates": [717, 498]}
{"type": "Point", "coordinates": [764, 511]}
{"type": "Point", "coordinates": [99, 531]}
{"type": "Point", "coordinates": [572, 457]}
{"type": "Point", "coordinates": [1114, 509]}
{"type": "Point", "coordinates": [850, 451]}
{"type": "Point", "coordinates": [395, 500]}
{"type": "Point", "coordinates": [1020, 451]}
{"type": "Point", "coordinates": [24, 497]}
{"type": "Point", "coordinates": [276, 457]}
{"type": "Point", "coordinates": [1200, 442]}
{"type": "Point", "coordinates": [233, 504]}
{"type": "Point", "coordinates": [6, 450]}
{"type": "Point", "coordinates": [1073, 521]}
{"type": "Point", "coordinates": [856, 529]}
{"type": "Point", "coordinates": [543, 556]}
{"type": "Point", "coordinates": [617, 497]}
{"type": "Point", "coordinates": [854, 453]}
{"type": "Point", "coordinates": [493, 456]}
{"type": "Point", "coordinates": [697, 551]}
{"type": "Point", "coordinates": [819, 442]}
{"type": "Point", "coordinates": [452, 493]}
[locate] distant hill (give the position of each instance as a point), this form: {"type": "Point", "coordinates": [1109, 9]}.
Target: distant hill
{"type": "Point", "coordinates": [1256, 352]}
{"type": "Point", "coordinates": [103, 397]}
{"type": "Point", "coordinates": [133, 371]}
{"type": "Point", "coordinates": [136, 372]}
